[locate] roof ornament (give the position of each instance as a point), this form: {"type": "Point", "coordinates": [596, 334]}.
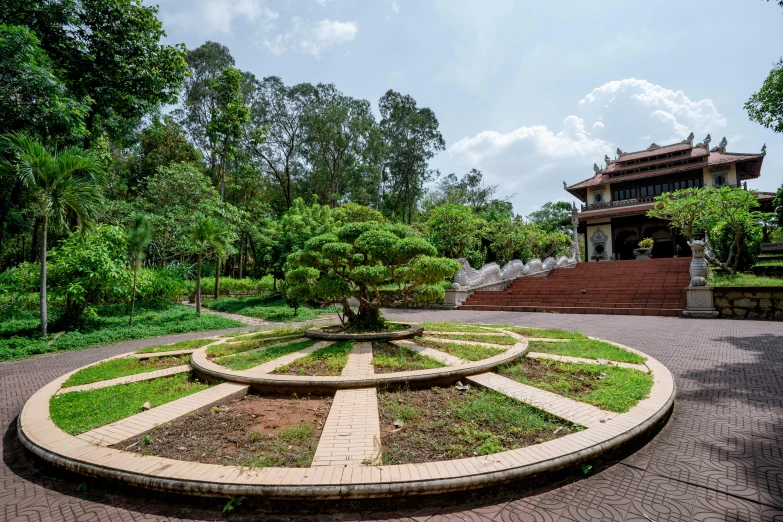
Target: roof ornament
{"type": "Point", "coordinates": [764, 150]}
{"type": "Point", "coordinates": [619, 152]}
{"type": "Point", "coordinates": [565, 185]}
{"type": "Point", "coordinates": [606, 159]}
{"type": "Point", "coordinates": [596, 168]}
{"type": "Point", "coordinates": [653, 146]}
{"type": "Point", "coordinates": [689, 139]}
{"type": "Point", "coordinates": [707, 141]}
{"type": "Point", "coordinates": [721, 146]}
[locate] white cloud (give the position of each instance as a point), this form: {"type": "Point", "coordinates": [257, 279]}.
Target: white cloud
{"type": "Point", "coordinates": [395, 8]}
{"type": "Point", "coordinates": [312, 38]}
{"type": "Point", "coordinates": [218, 16]}
{"type": "Point", "coordinates": [532, 160]}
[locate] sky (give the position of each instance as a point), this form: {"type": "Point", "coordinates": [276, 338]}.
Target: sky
{"type": "Point", "coordinates": [530, 93]}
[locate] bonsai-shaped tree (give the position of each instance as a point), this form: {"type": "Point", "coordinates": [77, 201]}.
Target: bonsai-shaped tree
{"type": "Point", "coordinates": [207, 237]}
{"type": "Point", "coordinates": [63, 183]}
{"type": "Point", "coordinates": [139, 236]}
{"type": "Point", "coordinates": [376, 263]}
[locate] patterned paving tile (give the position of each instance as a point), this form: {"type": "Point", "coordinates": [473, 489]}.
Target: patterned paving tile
{"type": "Point", "coordinates": [720, 457]}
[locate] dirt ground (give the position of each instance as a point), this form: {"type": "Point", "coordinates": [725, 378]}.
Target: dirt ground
{"type": "Point", "coordinates": [253, 431]}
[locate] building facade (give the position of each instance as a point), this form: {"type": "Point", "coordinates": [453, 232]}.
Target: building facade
{"type": "Point", "coordinates": [617, 197]}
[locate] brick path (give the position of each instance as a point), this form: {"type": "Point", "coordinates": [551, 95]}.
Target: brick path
{"type": "Point", "coordinates": [719, 458]}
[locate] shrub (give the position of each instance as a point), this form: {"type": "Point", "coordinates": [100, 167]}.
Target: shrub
{"type": "Point", "coordinates": [647, 242]}
{"type": "Point", "coordinates": [722, 237]}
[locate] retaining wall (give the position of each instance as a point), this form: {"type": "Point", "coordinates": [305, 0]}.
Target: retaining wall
{"type": "Point", "coordinates": [749, 302]}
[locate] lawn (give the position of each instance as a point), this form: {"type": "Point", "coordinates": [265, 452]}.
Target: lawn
{"type": "Point", "coordinates": [19, 337]}
{"type": "Point", "coordinates": [278, 332]}
{"type": "Point", "coordinates": [444, 424]}
{"type": "Point", "coordinates": [325, 361]}
{"type": "Point", "coordinates": [123, 367]}
{"type": "Point", "coordinates": [222, 350]}
{"type": "Point", "coordinates": [587, 349]}
{"type": "Point", "coordinates": [453, 327]}
{"type": "Point", "coordinates": [269, 309]}
{"type": "Point", "coordinates": [548, 333]}
{"type": "Point", "coordinates": [243, 361]}
{"type": "Point", "coordinates": [192, 344]}
{"type": "Point", "coordinates": [478, 338]}
{"type": "Point", "coordinates": [469, 352]}
{"type": "Point", "coordinates": [607, 387]}
{"type": "Point", "coordinates": [388, 358]}
{"type": "Point", "coordinates": [81, 411]}
{"type": "Point", "coordinates": [744, 280]}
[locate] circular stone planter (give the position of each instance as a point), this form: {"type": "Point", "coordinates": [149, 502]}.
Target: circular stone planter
{"type": "Point", "coordinates": [604, 435]}
{"type": "Point", "coordinates": [411, 330]}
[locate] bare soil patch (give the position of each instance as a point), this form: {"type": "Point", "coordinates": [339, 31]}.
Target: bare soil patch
{"type": "Point", "coordinates": [254, 431]}
{"type": "Point", "coordinates": [445, 423]}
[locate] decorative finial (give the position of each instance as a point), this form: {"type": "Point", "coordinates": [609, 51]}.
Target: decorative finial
{"type": "Point", "coordinates": [596, 168]}
{"type": "Point", "coordinates": [565, 185]}
{"type": "Point", "coordinates": [707, 141]}
{"type": "Point", "coordinates": [689, 139]}
{"type": "Point", "coordinates": [619, 152]}
{"type": "Point", "coordinates": [764, 150]}
{"type": "Point", "coordinates": [721, 146]}
{"type": "Point", "coordinates": [653, 146]}
{"type": "Point", "coordinates": [606, 159]}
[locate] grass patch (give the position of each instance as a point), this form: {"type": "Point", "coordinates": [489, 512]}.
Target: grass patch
{"type": "Point", "coordinates": [19, 337]}
{"type": "Point", "coordinates": [193, 344]}
{"type": "Point", "coordinates": [265, 308]}
{"type": "Point", "coordinates": [222, 350]}
{"type": "Point", "coordinates": [588, 349]}
{"type": "Point", "coordinates": [549, 333]}
{"type": "Point", "coordinates": [469, 352]}
{"type": "Point", "coordinates": [81, 411]}
{"type": "Point", "coordinates": [122, 367]}
{"type": "Point", "coordinates": [388, 358]}
{"type": "Point", "coordinates": [243, 361]}
{"type": "Point", "coordinates": [277, 332]}
{"type": "Point", "coordinates": [608, 387]}
{"type": "Point", "coordinates": [444, 424]}
{"type": "Point", "coordinates": [769, 262]}
{"type": "Point", "coordinates": [453, 327]}
{"type": "Point", "coordinates": [324, 361]}
{"type": "Point", "coordinates": [744, 280]}
{"type": "Point", "coordinates": [506, 340]}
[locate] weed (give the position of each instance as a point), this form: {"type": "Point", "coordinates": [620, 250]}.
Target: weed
{"type": "Point", "coordinates": [146, 440]}
{"type": "Point", "coordinates": [232, 504]}
{"type": "Point", "coordinates": [82, 487]}
{"type": "Point", "coordinates": [586, 469]}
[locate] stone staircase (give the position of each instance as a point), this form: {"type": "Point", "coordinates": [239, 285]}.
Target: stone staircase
{"type": "Point", "coordinates": [649, 287]}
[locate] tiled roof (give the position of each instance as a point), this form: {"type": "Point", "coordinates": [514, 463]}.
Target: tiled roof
{"type": "Point", "coordinates": [615, 212]}
{"type": "Point", "coordinates": [630, 156]}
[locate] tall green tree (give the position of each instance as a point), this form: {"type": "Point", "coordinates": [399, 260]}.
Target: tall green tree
{"type": "Point", "coordinates": [456, 231]}
{"type": "Point", "coordinates": [207, 237]}
{"type": "Point", "coordinates": [766, 105]}
{"type": "Point", "coordinates": [227, 119]}
{"type": "Point", "coordinates": [65, 184]}
{"type": "Point", "coordinates": [109, 51]}
{"type": "Point", "coordinates": [553, 216]}
{"type": "Point", "coordinates": [412, 139]}
{"type": "Point", "coordinates": [139, 237]}
{"type": "Point", "coordinates": [469, 190]}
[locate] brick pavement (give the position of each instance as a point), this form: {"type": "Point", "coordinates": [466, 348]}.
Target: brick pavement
{"type": "Point", "coordinates": [719, 458]}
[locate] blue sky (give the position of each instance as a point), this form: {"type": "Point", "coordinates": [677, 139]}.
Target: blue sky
{"type": "Point", "coordinates": [531, 93]}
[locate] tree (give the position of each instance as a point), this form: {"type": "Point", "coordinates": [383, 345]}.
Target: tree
{"type": "Point", "coordinates": [227, 119]}
{"type": "Point", "coordinates": [766, 106]}
{"type": "Point", "coordinates": [516, 239]}
{"type": "Point", "coordinates": [109, 51]}
{"type": "Point", "coordinates": [685, 209]}
{"type": "Point", "coordinates": [63, 183]}
{"type": "Point", "coordinates": [469, 190]}
{"type": "Point", "coordinates": [161, 144]}
{"type": "Point", "coordinates": [207, 237]}
{"type": "Point", "coordinates": [360, 260]}
{"type": "Point", "coordinates": [777, 203]}
{"type": "Point", "coordinates": [455, 231]}
{"type": "Point", "coordinates": [733, 210]}
{"type": "Point", "coordinates": [411, 138]}
{"type": "Point", "coordinates": [553, 216]}
{"type": "Point", "coordinates": [36, 100]}
{"type": "Point", "coordinates": [139, 237]}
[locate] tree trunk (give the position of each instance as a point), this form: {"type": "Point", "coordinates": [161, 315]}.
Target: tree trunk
{"type": "Point", "coordinates": [198, 285]}
{"type": "Point", "coordinates": [133, 296]}
{"type": "Point", "coordinates": [44, 318]}
{"type": "Point", "coordinates": [89, 123]}
{"type": "Point", "coordinates": [34, 240]}
{"type": "Point", "coordinates": [368, 317]}
{"type": "Point", "coordinates": [217, 279]}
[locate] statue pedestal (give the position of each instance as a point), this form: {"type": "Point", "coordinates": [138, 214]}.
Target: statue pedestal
{"type": "Point", "coordinates": [454, 298]}
{"type": "Point", "coordinates": [700, 304]}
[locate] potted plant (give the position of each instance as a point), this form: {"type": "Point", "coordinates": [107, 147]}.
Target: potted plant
{"type": "Point", "coordinates": [645, 248]}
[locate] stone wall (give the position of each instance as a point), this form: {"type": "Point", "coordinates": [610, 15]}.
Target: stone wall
{"type": "Point", "coordinates": [749, 302]}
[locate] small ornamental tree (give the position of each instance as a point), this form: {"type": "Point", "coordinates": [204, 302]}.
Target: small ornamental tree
{"type": "Point", "coordinates": [376, 263]}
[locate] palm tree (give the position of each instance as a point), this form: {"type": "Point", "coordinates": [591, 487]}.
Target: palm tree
{"type": "Point", "coordinates": [64, 183]}
{"type": "Point", "coordinates": [139, 234]}
{"type": "Point", "coordinates": [207, 237]}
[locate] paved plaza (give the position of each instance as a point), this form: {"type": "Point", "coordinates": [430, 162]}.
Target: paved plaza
{"type": "Point", "coordinates": [720, 457]}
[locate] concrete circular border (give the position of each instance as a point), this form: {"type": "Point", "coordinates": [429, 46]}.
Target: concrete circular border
{"type": "Point", "coordinates": [412, 330]}
{"type": "Point", "coordinates": [43, 438]}
{"type": "Point", "coordinates": [206, 369]}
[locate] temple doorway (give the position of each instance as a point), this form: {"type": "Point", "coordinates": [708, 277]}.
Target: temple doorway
{"type": "Point", "coordinates": [625, 241]}
{"type": "Point", "coordinates": [662, 235]}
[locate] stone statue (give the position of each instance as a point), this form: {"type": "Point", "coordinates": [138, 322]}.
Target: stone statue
{"type": "Point", "coordinates": [468, 277]}
{"type": "Point", "coordinates": [721, 145]}
{"type": "Point", "coordinates": [619, 152]}
{"type": "Point", "coordinates": [699, 267]}
{"type": "Point", "coordinates": [689, 139]}
{"type": "Point", "coordinates": [606, 159]}
{"type": "Point", "coordinates": [764, 150]}
{"type": "Point", "coordinates": [653, 146]}
{"type": "Point", "coordinates": [596, 168]}
{"type": "Point", "coordinates": [565, 185]}
{"type": "Point", "coordinates": [707, 141]}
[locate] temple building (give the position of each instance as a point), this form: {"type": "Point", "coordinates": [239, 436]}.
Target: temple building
{"type": "Point", "coordinates": [617, 197]}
